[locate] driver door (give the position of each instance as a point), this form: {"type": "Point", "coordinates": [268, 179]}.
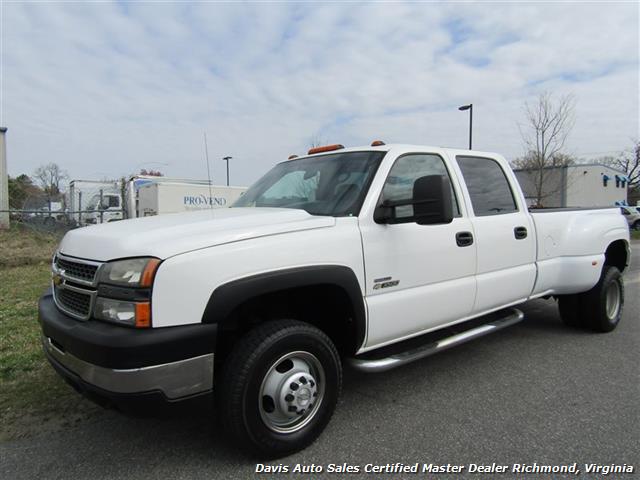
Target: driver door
{"type": "Point", "coordinates": [418, 277]}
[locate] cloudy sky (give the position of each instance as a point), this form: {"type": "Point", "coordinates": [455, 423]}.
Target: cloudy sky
{"type": "Point", "coordinates": [105, 89]}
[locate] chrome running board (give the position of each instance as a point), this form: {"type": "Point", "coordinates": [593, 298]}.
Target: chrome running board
{"type": "Point", "coordinates": [513, 316]}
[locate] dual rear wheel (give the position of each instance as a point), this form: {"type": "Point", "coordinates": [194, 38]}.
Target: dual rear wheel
{"type": "Point", "coordinates": [599, 309]}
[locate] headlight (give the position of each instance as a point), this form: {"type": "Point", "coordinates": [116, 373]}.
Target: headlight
{"type": "Point", "coordinates": [133, 314]}
{"type": "Point", "coordinates": [134, 272]}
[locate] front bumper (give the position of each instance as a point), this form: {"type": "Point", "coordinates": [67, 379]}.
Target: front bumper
{"type": "Point", "coordinates": [172, 363]}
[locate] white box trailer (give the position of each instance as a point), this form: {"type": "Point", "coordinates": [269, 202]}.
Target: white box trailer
{"type": "Point", "coordinates": [135, 182]}
{"type": "Point", "coordinates": [174, 197]}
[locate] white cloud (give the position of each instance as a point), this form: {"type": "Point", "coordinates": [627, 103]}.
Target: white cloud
{"type": "Point", "coordinates": [103, 88]}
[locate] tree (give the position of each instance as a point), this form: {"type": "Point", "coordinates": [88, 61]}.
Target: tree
{"type": "Point", "coordinates": [152, 173]}
{"type": "Point", "coordinates": [545, 132]}
{"type": "Point", "coordinates": [629, 162]}
{"type": "Point", "coordinates": [317, 141]}
{"type": "Point", "coordinates": [20, 189]}
{"type": "Point", "coordinates": [49, 177]}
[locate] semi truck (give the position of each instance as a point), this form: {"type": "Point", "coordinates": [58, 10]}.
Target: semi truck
{"type": "Point", "coordinates": [371, 257]}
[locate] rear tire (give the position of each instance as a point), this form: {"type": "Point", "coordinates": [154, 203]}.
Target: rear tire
{"type": "Point", "coordinates": [279, 387]}
{"type": "Point", "coordinates": [569, 310]}
{"type": "Point", "coordinates": [602, 305]}
{"type": "Point", "coordinates": [599, 309]}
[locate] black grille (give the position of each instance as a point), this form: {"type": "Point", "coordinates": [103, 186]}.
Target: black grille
{"type": "Point", "coordinates": [78, 270]}
{"type": "Point", "coordinates": [76, 302]}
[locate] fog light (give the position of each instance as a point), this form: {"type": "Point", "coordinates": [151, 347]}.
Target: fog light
{"type": "Point", "coordinates": [132, 314]}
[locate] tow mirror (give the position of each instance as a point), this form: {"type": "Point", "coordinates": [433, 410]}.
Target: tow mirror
{"type": "Point", "coordinates": [432, 200]}
{"type": "Point", "coordinates": [431, 203]}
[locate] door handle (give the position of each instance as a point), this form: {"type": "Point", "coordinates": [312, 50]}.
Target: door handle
{"type": "Point", "coordinates": [464, 239]}
{"type": "Point", "coordinates": [520, 233]}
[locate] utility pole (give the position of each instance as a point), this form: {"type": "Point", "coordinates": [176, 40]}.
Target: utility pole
{"type": "Point", "coordinates": [226, 159]}
{"type": "Point", "coordinates": [470, 108]}
{"type": "Point", "coordinates": [4, 181]}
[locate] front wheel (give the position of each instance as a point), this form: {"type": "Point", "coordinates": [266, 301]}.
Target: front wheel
{"type": "Point", "coordinates": [279, 387]}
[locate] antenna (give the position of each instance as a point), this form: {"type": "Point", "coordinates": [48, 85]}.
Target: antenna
{"type": "Point", "coordinates": [206, 155]}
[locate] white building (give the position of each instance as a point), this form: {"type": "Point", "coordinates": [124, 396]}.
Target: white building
{"type": "Point", "coordinates": [580, 185]}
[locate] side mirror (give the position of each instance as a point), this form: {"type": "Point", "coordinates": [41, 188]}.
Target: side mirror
{"type": "Point", "coordinates": [432, 200]}
{"type": "Point", "coordinates": [431, 203]}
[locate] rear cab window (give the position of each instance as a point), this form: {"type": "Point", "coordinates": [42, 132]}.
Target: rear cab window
{"type": "Point", "coordinates": [489, 189]}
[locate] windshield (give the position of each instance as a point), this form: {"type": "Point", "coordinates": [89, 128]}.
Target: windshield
{"type": "Point", "coordinates": [93, 203]}
{"type": "Point", "coordinates": [333, 185]}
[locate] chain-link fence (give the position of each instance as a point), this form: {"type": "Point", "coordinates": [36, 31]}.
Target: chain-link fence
{"type": "Point", "coordinates": [90, 202]}
{"type": "Point", "coordinates": [85, 203]}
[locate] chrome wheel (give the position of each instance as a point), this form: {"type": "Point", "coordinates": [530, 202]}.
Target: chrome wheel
{"type": "Point", "coordinates": [291, 392]}
{"type": "Point", "coordinates": [613, 296]}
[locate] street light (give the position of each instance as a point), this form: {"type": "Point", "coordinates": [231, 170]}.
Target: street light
{"type": "Point", "coordinates": [226, 159]}
{"type": "Point", "coordinates": [470, 108]}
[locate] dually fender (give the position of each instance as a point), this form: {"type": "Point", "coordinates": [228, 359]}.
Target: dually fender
{"type": "Point", "coordinates": [227, 297]}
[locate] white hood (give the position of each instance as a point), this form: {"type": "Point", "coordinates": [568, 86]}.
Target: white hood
{"type": "Point", "coordinates": [167, 235]}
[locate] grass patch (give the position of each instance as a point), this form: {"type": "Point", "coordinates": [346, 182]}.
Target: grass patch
{"type": "Point", "coordinates": [32, 396]}
{"type": "Point", "coordinates": [22, 245]}
{"type": "Point", "coordinates": [635, 234]}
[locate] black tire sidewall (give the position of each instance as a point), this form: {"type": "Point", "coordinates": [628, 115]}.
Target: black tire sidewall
{"type": "Point", "coordinates": [266, 441]}
{"type": "Point", "coordinates": [568, 306]}
{"type": "Point", "coordinates": [598, 306]}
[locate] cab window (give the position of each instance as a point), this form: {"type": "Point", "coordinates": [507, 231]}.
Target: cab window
{"type": "Point", "coordinates": [488, 186]}
{"type": "Point", "coordinates": [405, 171]}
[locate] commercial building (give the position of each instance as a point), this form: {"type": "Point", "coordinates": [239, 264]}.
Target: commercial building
{"type": "Point", "coordinates": [580, 185]}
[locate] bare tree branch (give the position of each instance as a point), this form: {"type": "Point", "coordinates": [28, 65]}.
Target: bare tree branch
{"type": "Point", "coordinates": [629, 162]}
{"type": "Point", "coordinates": [544, 135]}
{"type": "Point", "coordinates": [49, 177]}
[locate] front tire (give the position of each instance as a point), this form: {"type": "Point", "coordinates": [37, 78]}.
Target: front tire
{"type": "Point", "coordinates": [279, 387]}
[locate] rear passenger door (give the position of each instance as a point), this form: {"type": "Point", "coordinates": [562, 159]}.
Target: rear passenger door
{"type": "Point", "coordinates": [505, 239]}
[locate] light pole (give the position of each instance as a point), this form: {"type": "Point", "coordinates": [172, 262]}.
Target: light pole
{"type": "Point", "coordinates": [470, 108]}
{"type": "Point", "coordinates": [226, 159]}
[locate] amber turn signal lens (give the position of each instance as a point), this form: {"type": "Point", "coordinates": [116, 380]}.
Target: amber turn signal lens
{"type": "Point", "coordinates": [149, 272]}
{"type": "Point", "coordinates": [143, 315]}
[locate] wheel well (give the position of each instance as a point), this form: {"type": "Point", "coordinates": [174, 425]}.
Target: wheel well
{"type": "Point", "coordinates": [617, 255]}
{"type": "Point", "coordinates": [327, 307]}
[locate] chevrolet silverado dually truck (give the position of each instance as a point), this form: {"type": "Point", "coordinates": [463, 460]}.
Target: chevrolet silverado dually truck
{"type": "Point", "coordinates": [372, 257]}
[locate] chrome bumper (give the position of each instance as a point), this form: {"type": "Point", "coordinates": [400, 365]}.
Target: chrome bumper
{"type": "Point", "coordinates": [175, 380]}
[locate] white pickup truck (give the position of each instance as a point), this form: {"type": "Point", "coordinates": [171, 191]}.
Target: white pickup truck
{"type": "Point", "coordinates": [372, 256]}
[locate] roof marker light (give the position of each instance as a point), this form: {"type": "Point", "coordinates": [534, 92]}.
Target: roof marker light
{"type": "Point", "coordinates": [377, 143]}
{"type": "Point", "coordinates": [326, 148]}
{"type": "Point", "coordinates": [291, 157]}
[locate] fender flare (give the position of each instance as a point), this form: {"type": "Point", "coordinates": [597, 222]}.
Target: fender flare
{"type": "Point", "coordinates": [227, 297]}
